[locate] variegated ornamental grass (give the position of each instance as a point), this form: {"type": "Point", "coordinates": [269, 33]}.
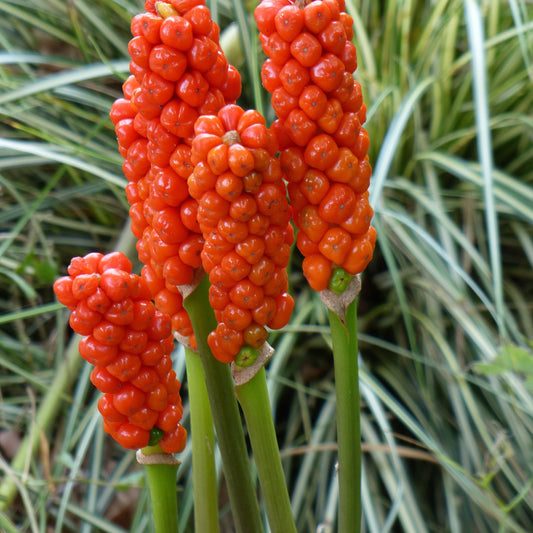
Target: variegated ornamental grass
{"type": "Point", "coordinates": [445, 315]}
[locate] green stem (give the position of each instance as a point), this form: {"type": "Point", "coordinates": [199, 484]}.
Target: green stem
{"type": "Point", "coordinates": [162, 485]}
{"type": "Point", "coordinates": [344, 337]}
{"type": "Point", "coordinates": [226, 416]}
{"type": "Point", "coordinates": [254, 400]}
{"type": "Point", "coordinates": [203, 448]}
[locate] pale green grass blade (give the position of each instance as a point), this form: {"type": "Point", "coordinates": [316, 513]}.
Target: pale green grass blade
{"type": "Point", "coordinates": [392, 140]}
{"type": "Point", "coordinates": [519, 11]}
{"type": "Point", "coordinates": [103, 525]}
{"type": "Point", "coordinates": [26, 16]}
{"type": "Point", "coordinates": [29, 313]}
{"type": "Point", "coordinates": [23, 494]}
{"type": "Point", "coordinates": [77, 75]}
{"type": "Point", "coordinates": [484, 143]}
{"type": "Point", "coordinates": [510, 192]}
{"type": "Point", "coordinates": [52, 154]}
{"type": "Point", "coordinates": [88, 436]}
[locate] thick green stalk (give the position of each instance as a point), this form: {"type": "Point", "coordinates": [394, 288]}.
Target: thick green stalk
{"type": "Point", "coordinates": [162, 485]}
{"type": "Point", "coordinates": [344, 337]}
{"type": "Point", "coordinates": [226, 416]}
{"type": "Point", "coordinates": [254, 400]}
{"type": "Point", "coordinates": [203, 448]}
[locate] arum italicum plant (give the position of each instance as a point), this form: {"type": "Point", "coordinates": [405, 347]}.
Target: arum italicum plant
{"type": "Point", "coordinates": [208, 199]}
{"type": "Point", "coordinates": [445, 368]}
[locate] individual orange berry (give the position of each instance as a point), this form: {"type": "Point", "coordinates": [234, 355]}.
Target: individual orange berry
{"type": "Point", "coordinates": [255, 335]}
{"type": "Point", "coordinates": [229, 186]}
{"type": "Point", "coordinates": [218, 297]}
{"type": "Point", "coordinates": [232, 230]}
{"type": "Point", "coordinates": [190, 249]}
{"type": "Point", "coordinates": [174, 441]}
{"type": "Point", "coordinates": [236, 317]}
{"type": "Point", "coordinates": [306, 49]}
{"type": "Point", "coordinates": [258, 224]}
{"type": "Point", "coordinates": [192, 88]}
{"type": "Point", "coordinates": [202, 54]}
{"type": "Point", "coordinates": [333, 37]}
{"type": "Point", "coordinates": [129, 399]}
{"type": "Point", "coordinates": [251, 249]}
{"type": "Point", "coordinates": [176, 272]}
{"type": "Point", "coordinates": [283, 102]}
{"type": "Point", "coordinates": [243, 207]}
{"type": "Point", "coordinates": [158, 89]}
{"type": "Point", "coordinates": [294, 76]}
{"type": "Point", "coordinates": [270, 73]}
{"type": "Point", "coordinates": [338, 204]}
{"type": "Point", "coordinates": [145, 418]}
{"type": "Point", "coordinates": [321, 152]}
{"type": "Point", "coordinates": [284, 308]}
{"type": "Point", "coordinates": [335, 244]}
{"type": "Point", "coordinates": [317, 16]}
{"type": "Point", "coordinates": [219, 352]}
{"type": "Point", "coordinates": [317, 270]}
{"type": "Point", "coordinates": [104, 381]}
{"type": "Point", "coordinates": [134, 342]}
{"type": "Point", "coordinates": [169, 226]}
{"type": "Point", "coordinates": [278, 283]}
{"type": "Point", "coordinates": [189, 215]}
{"type": "Point", "coordinates": [177, 32]}
{"type": "Point", "coordinates": [314, 186]}
{"type": "Point", "coordinates": [235, 265]}
{"type": "Point", "coordinates": [299, 127]}
{"type": "Point", "coordinates": [262, 271]}
{"type": "Point", "coordinates": [200, 18]}
{"type": "Point", "coordinates": [246, 294]}
{"type": "Point", "coordinates": [359, 221]}
{"type": "Point", "coordinates": [361, 252]}
{"type": "Point", "coordinates": [305, 244]}
{"type": "Point", "coordinates": [180, 162]}
{"type": "Point", "coordinates": [289, 21]}
{"type": "Point", "coordinates": [108, 410]}
{"type": "Point", "coordinates": [276, 48]}
{"type": "Point", "coordinates": [327, 72]}
{"type": "Point", "coordinates": [156, 399]}
{"type": "Point", "coordinates": [330, 120]}
{"type": "Point", "coordinates": [240, 160]}
{"type": "Point", "coordinates": [124, 367]}
{"type": "Point", "coordinates": [139, 49]}
{"type": "Point", "coordinates": [263, 314]}
{"type": "Point", "coordinates": [231, 88]}
{"type": "Point", "coordinates": [293, 163]}
{"type": "Point", "coordinates": [108, 333]}
{"type": "Point", "coordinates": [310, 221]}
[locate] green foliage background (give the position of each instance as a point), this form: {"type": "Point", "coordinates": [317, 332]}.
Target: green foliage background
{"type": "Point", "coordinates": [446, 315]}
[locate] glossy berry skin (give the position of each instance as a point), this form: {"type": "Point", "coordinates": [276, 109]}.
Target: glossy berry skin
{"type": "Point", "coordinates": [245, 220]}
{"type": "Point", "coordinates": [129, 346]}
{"type": "Point", "coordinates": [323, 143]}
{"type": "Point", "coordinates": [178, 72]}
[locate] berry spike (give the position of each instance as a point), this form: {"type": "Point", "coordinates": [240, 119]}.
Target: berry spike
{"type": "Point", "coordinates": [178, 73]}
{"type": "Point", "coordinates": [245, 221]}
{"type": "Point", "coordinates": [129, 343]}
{"type": "Point", "coordinates": [320, 110]}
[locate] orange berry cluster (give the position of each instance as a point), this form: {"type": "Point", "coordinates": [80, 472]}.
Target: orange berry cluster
{"type": "Point", "coordinates": [129, 343]}
{"type": "Point", "coordinates": [320, 110]}
{"type": "Point", "coordinates": [179, 73]}
{"type": "Point", "coordinates": [244, 216]}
